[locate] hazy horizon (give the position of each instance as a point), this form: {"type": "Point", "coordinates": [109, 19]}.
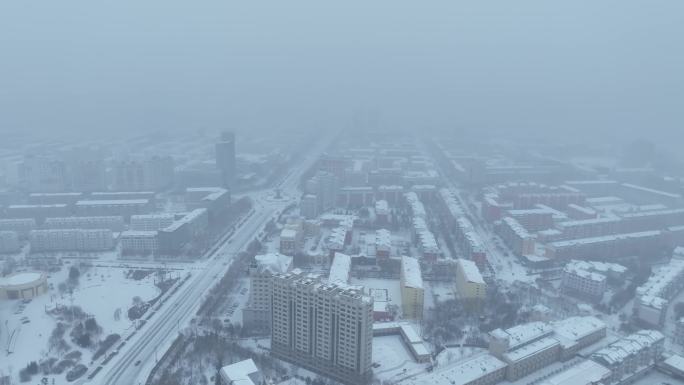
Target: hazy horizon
{"type": "Point", "coordinates": [548, 69]}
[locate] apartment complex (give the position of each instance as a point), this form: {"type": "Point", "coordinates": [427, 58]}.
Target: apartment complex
{"type": "Point", "coordinates": [587, 279]}
{"type": "Point", "coordinates": [114, 223]}
{"type": "Point", "coordinates": [323, 327]}
{"type": "Point", "coordinates": [71, 240]}
{"type": "Point", "coordinates": [629, 356]}
{"type": "Point", "coordinates": [412, 291]}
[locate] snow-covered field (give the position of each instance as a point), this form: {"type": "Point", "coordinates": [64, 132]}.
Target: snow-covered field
{"type": "Point", "coordinates": [394, 358]}
{"type": "Point", "coordinates": [26, 328]}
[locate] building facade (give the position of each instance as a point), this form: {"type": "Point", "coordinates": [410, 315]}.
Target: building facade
{"type": "Point", "coordinates": [412, 291]}
{"type": "Point", "coordinates": [257, 313]}
{"type": "Point", "coordinates": [323, 327]}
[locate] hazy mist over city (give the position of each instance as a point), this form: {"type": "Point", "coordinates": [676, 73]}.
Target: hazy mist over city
{"type": "Point", "coordinates": [341, 193]}
{"type": "Point", "coordinates": [544, 67]}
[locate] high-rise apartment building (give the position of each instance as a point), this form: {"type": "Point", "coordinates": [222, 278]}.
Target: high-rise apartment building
{"type": "Point", "coordinates": [257, 313]}
{"type": "Point", "coordinates": [324, 186]}
{"type": "Point", "coordinates": [323, 327]}
{"type": "Point", "coordinates": [225, 158]}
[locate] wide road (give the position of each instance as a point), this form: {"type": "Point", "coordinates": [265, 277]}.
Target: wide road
{"type": "Point", "coordinates": [160, 331]}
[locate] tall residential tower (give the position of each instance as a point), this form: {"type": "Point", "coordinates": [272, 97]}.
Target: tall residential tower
{"type": "Point", "coordinates": [327, 328]}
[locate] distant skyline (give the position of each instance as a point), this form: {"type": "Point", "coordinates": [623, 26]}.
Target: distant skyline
{"type": "Point", "coordinates": [572, 70]}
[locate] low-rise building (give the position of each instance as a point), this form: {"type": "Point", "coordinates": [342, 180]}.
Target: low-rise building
{"type": "Point", "coordinates": [585, 373]}
{"type": "Point", "coordinates": [114, 223]}
{"type": "Point", "coordinates": [151, 222]}
{"type": "Point", "coordinates": [532, 346]}
{"type": "Point", "coordinates": [409, 336]}
{"type": "Point", "coordinates": [71, 240]}
{"type": "Point", "coordinates": [652, 298]}
{"type": "Point", "coordinates": [516, 236]}
{"type": "Point", "coordinates": [587, 279]}
{"type": "Point", "coordinates": [122, 207]}
{"type": "Point", "coordinates": [139, 242]}
{"type": "Point", "coordinates": [242, 373]}
{"type": "Point", "coordinates": [483, 369]}
{"type": "Point", "coordinates": [340, 269]}
{"type": "Point", "coordinates": [631, 356]}
{"type": "Point", "coordinates": [576, 333]}
{"type": "Point", "coordinates": [23, 285]}
{"type": "Point", "coordinates": [37, 212]}
{"type": "Point", "coordinates": [412, 292]}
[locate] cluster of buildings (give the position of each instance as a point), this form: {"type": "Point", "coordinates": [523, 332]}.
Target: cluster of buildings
{"type": "Point", "coordinates": [97, 220]}
{"type": "Point", "coordinates": [575, 221]}
{"type": "Point", "coordinates": [467, 238]}
{"type": "Point", "coordinates": [525, 349]}
{"type": "Point", "coordinates": [422, 236]}
{"type": "Point", "coordinates": [652, 298]}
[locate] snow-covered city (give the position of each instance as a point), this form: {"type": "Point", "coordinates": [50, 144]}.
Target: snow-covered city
{"type": "Point", "coordinates": [302, 192]}
{"type": "Point", "coordinates": [368, 259]}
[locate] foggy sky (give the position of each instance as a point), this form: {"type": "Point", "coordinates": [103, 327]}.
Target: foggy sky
{"type": "Point", "coordinates": [545, 67]}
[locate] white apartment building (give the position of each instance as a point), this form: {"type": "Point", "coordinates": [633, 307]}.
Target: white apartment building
{"type": "Point", "coordinates": [151, 222]}
{"type": "Point", "coordinates": [652, 298]}
{"type": "Point", "coordinates": [257, 313]}
{"type": "Point", "coordinates": [412, 291]}
{"type": "Point", "coordinates": [469, 282]}
{"type": "Point", "coordinates": [587, 279]}
{"type": "Point", "coordinates": [71, 240]}
{"type": "Point", "coordinates": [516, 236]}
{"type": "Point", "coordinates": [583, 283]}
{"type": "Point", "coordinates": [123, 207]}
{"type": "Point", "coordinates": [629, 356]}
{"type": "Point", "coordinates": [323, 327]}
{"type": "Point", "coordinates": [139, 242]}
{"type": "Point", "coordinates": [114, 223]}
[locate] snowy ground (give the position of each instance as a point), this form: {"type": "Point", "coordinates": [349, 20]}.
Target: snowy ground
{"type": "Point", "coordinates": [394, 358]}
{"type": "Point", "coordinates": [101, 291]}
